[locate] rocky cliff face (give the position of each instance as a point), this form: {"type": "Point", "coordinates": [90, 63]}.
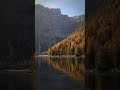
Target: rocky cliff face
{"type": "Point", "coordinates": [79, 18]}
{"type": "Point", "coordinates": [51, 26]}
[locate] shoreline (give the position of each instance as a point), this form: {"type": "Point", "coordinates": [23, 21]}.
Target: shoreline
{"type": "Point", "coordinates": [58, 56]}
{"type": "Point", "coordinates": [94, 71]}
{"type": "Point", "coordinates": [15, 70]}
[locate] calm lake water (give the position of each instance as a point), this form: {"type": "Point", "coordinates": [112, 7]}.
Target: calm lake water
{"type": "Point", "coordinates": [102, 81]}
{"type": "Point", "coordinates": [58, 74]}
{"type": "Point", "coordinates": [50, 74]}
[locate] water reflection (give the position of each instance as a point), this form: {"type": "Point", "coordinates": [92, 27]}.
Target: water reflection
{"type": "Point", "coordinates": [55, 73]}
{"type": "Point", "coordinates": [73, 67]}
{"type": "Point", "coordinates": [102, 81]}
{"type": "Point", "coordinates": [49, 74]}
{"type": "Point", "coordinates": [16, 81]}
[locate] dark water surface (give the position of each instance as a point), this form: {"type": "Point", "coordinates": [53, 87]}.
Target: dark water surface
{"type": "Point", "coordinates": [59, 74]}
{"type": "Point", "coordinates": [102, 81]}
{"type": "Point", "coordinates": [50, 74]}
{"type": "Point", "coordinates": [16, 81]}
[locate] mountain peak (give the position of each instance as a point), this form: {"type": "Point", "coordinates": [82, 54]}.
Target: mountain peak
{"type": "Point", "coordinates": [52, 23]}
{"type": "Point", "coordinates": [55, 11]}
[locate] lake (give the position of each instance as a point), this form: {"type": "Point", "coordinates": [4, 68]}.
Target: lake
{"type": "Point", "coordinates": [59, 74]}
{"type": "Point", "coordinates": [50, 74]}
{"type": "Point", "coordinates": [102, 81]}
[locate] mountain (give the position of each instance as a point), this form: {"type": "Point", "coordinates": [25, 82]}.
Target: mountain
{"type": "Point", "coordinates": [79, 18]}
{"type": "Point", "coordinates": [51, 26]}
{"type": "Point", "coordinates": [72, 45]}
{"type": "Point", "coordinates": [103, 36]}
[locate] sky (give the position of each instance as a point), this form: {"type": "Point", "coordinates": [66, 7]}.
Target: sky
{"type": "Point", "coordinates": [68, 7]}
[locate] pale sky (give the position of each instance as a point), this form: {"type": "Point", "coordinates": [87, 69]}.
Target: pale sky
{"type": "Point", "coordinates": [68, 7]}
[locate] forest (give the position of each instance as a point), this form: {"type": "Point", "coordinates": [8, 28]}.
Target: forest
{"type": "Point", "coordinates": [103, 37]}
{"type": "Point", "coordinates": [72, 45]}
{"type": "Point", "coordinates": [17, 35]}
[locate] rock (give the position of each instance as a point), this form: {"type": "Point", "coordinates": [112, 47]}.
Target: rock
{"type": "Point", "coordinates": [51, 26]}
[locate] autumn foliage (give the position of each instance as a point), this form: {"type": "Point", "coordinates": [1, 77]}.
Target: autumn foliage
{"type": "Point", "coordinates": [72, 45]}
{"type": "Point", "coordinates": [103, 37]}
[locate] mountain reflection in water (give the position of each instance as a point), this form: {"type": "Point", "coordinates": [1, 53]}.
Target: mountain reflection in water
{"type": "Point", "coordinates": [60, 74]}
{"type": "Point", "coordinates": [73, 67]}
{"type": "Point", "coordinates": [49, 74]}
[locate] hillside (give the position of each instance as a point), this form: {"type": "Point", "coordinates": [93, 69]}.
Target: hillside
{"type": "Point", "coordinates": [72, 45]}
{"type": "Point", "coordinates": [103, 36]}
{"type": "Point", "coordinates": [17, 34]}
{"type": "Point", "coordinates": [51, 26]}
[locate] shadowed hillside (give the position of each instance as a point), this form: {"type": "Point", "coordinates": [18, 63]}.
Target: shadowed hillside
{"type": "Point", "coordinates": [103, 36]}
{"type": "Point", "coordinates": [17, 34]}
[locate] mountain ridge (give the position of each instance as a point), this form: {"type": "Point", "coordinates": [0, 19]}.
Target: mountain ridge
{"type": "Point", "coordinates": [51, 27]}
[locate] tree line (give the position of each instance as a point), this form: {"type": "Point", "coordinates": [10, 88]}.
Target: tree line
{"type": "Point", "coordinates": [72, 45]}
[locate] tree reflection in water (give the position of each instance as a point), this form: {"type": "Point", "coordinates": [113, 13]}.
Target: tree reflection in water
{"type": "Point", "coordinates": [73, 67]}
